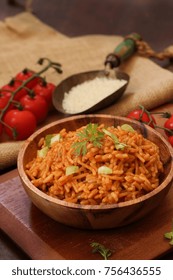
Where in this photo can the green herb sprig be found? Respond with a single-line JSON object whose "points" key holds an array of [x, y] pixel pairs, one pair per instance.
{"points": [[101, 249], [169, 235], [90, 134]]}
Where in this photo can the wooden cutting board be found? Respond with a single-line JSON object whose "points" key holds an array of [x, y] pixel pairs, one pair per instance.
{"points": [[42, 238]]}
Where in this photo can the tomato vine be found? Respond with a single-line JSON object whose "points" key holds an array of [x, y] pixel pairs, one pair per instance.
{"points": [[143, 115]]}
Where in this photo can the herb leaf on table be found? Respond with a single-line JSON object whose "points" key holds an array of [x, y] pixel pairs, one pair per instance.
{"points": [[101, 249], [169, 235]]}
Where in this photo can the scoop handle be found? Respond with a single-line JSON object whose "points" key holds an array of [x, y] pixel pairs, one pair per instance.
{"points": [[123, 51]]}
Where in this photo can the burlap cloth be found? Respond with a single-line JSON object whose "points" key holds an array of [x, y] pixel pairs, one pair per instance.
{"points": [[24, 39]]}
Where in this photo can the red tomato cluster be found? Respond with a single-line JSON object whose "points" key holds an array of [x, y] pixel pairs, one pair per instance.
{"points": [[28, 107], [146, 117], [143, 117]]}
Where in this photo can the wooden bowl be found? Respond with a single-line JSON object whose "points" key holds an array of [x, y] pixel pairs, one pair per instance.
{"points": [[96, 216]]}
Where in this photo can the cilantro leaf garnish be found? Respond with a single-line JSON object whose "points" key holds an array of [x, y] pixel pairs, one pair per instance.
{"points": [[80, 148], [90, 134]]}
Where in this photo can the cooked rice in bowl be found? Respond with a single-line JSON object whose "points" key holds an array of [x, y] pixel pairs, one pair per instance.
{"points": [[108, 165]]}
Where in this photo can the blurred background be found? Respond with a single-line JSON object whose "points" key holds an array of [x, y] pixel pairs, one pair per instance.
{"points": [[152, 19]]}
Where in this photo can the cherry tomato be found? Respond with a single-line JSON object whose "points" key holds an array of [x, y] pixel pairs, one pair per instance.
{"points": [[37, 105], [11, 87], [1, 129], [142, 116], [25, 75], [45, 90], [3, 102], [23, 123], [170, 139], [169, 125]]}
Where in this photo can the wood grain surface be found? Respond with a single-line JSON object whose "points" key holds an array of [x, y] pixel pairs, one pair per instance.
{"points": [[42, 238]]}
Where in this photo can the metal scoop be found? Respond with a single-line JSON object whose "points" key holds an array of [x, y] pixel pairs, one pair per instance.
{"points": [[122, 52]]}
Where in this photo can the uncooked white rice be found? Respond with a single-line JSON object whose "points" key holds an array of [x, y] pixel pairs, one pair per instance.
{"points": [[85, 95]]}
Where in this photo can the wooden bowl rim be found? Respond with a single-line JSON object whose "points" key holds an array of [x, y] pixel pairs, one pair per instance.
{"points": [[57, 201]]}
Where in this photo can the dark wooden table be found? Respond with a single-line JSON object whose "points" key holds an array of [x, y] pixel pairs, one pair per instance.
{"points": [[152, 19]]}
